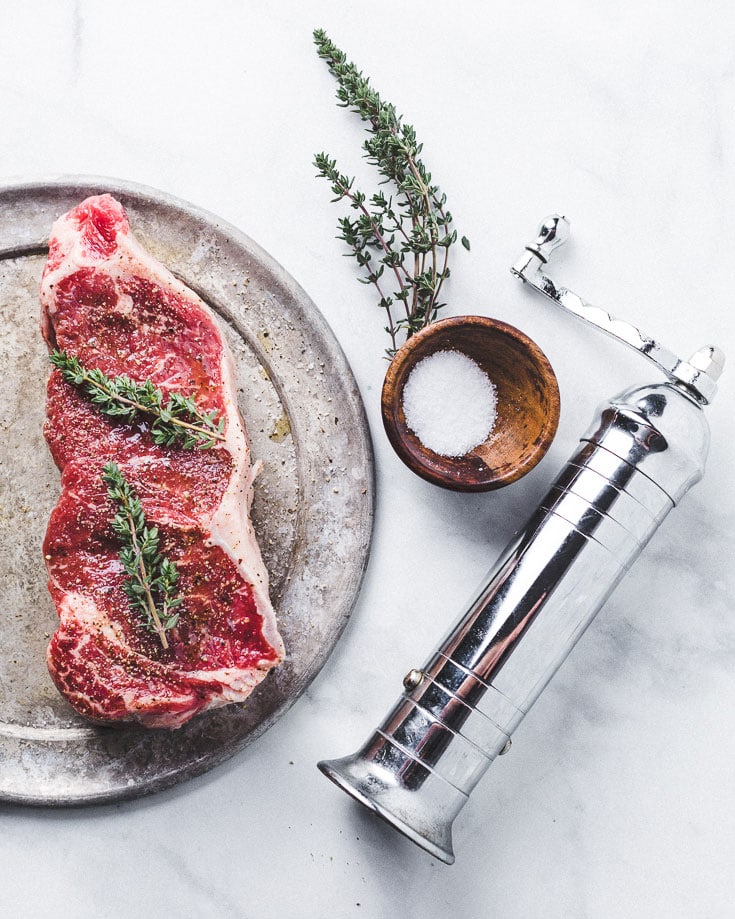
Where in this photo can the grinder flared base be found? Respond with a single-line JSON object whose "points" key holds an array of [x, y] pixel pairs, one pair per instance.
{"points": [[406, 810]]}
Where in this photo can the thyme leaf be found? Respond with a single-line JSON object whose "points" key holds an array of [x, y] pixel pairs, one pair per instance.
{"points": [[152, 579], [406, 238], [177, 421]]}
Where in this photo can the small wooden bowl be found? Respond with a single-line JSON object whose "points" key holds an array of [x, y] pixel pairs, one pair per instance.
{"points": [[527, 403]]}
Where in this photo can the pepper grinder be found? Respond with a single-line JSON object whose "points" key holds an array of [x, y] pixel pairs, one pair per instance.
{"points": [[643, 452]]}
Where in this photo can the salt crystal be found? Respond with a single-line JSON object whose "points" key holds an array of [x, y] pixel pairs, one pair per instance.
{"points": [[449, 403]]}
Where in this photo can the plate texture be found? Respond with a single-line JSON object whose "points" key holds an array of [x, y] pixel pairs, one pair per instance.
{"points": [[312, 510]]}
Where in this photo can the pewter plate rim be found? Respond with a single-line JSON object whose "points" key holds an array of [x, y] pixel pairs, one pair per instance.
{"points": [[299, 307]]}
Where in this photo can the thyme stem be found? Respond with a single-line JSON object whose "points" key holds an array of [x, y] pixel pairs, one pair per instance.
{"points": [[150, 574], [144, 581], [178, 421]]}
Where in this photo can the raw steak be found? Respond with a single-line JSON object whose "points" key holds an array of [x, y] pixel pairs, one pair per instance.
{"points": [[109, 303]]}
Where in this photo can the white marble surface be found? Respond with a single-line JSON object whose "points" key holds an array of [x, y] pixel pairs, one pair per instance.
{"points": [[618, 799]]}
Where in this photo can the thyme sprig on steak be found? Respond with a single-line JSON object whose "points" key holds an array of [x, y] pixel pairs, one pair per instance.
{"points": [[177, 420], [151, 586]]}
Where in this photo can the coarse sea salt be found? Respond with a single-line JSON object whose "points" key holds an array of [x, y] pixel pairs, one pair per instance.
{"points": [[449, 403]]}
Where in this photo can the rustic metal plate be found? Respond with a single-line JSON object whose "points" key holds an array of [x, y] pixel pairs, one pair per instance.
{"points": [[312, 511]]}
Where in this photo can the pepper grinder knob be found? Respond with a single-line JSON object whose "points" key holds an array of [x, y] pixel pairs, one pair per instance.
{"points": [[553, 232]]}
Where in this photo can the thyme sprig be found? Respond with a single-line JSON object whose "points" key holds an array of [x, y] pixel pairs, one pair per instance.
{"points": [[152, 581], [177, 421], [408, 236]]}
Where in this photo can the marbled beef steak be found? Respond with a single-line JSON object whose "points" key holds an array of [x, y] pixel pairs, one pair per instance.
{"points": [[106, 301]]}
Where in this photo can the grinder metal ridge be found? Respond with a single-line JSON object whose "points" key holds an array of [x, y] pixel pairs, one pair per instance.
{"points": [[643, 452]]}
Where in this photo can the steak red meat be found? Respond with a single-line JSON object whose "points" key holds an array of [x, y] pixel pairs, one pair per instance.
{"points": [[106, 301]]}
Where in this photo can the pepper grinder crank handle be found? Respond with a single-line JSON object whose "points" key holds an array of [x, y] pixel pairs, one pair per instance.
{"points": [[643, 452]]}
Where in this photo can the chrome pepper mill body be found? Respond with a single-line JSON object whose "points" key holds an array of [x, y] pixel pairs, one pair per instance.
{"points": [[644, 451]]}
